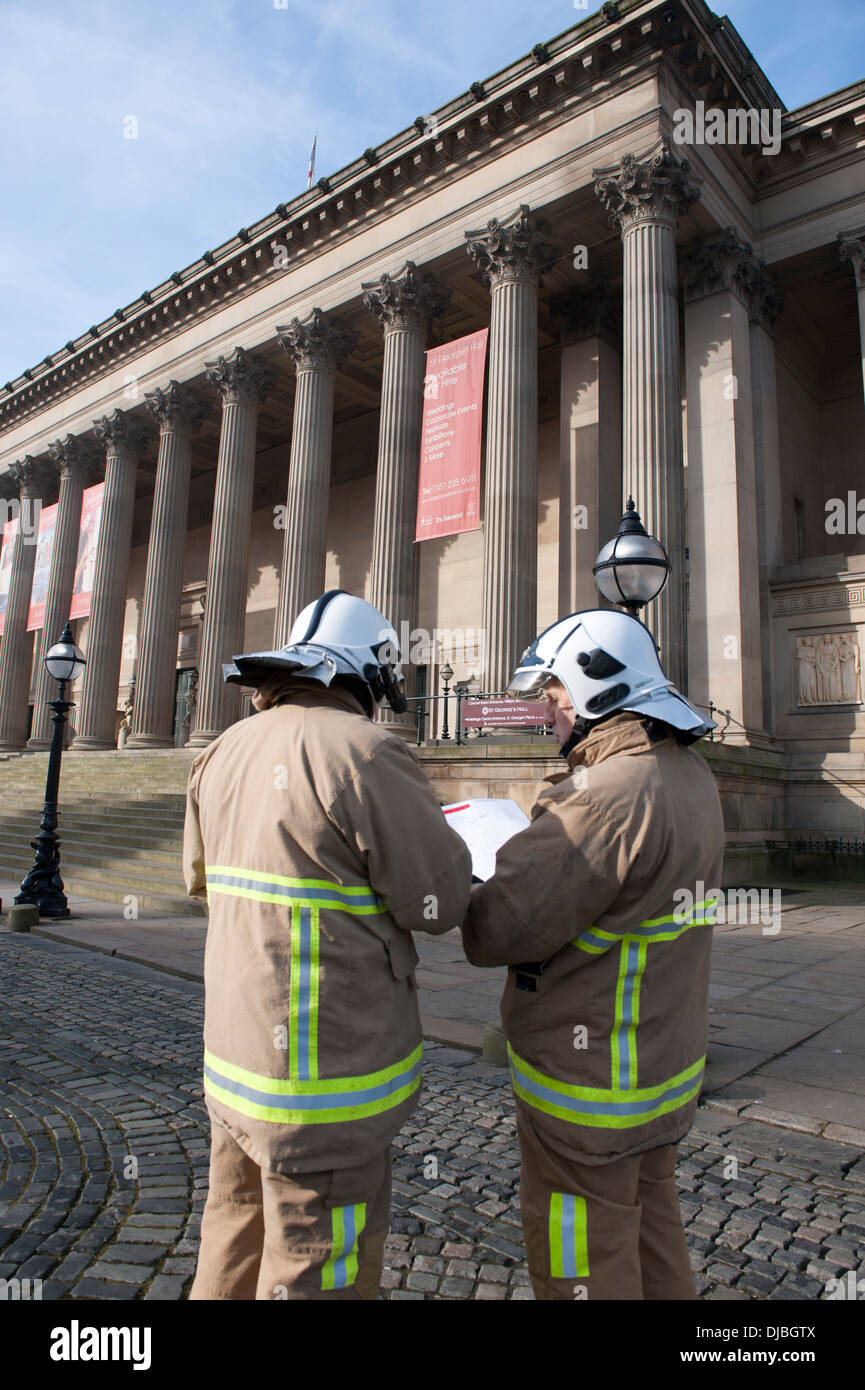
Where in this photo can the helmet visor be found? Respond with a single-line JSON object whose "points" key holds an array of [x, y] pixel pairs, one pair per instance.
{"points": [[528, 681]]}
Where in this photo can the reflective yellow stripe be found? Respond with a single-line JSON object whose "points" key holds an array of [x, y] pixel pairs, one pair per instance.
{"points": [[347, 1224], [296, 1101], [258, 886], [597, 940], [600, 1107]]}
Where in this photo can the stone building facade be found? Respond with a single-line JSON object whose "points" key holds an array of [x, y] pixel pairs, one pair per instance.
{"points": [[675, 316]]}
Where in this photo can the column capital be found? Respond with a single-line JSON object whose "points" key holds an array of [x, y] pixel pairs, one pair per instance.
{"points": [[852, 249], [590, 312], [241, 379], [72, 457], [763, 293], [514, 250], [316, 343], [176, 407], [30, 476], [713, 263], [656, 188], [410, 299], [120, 433]]}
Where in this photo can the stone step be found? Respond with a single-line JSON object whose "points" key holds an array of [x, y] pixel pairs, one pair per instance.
{"points": [[18, 859], [165, 850], [158, 826], [100, 806]]}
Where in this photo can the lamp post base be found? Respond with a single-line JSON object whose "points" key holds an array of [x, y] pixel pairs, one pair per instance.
{"points": [[43, 886]]}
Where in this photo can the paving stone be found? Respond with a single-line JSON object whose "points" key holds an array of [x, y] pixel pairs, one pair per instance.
{"points": [[166, 1287], [459, 1234]]}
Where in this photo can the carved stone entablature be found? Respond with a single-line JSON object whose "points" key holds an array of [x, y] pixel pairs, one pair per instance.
{"points": [[852, 249], [317, 343], [71, 457], [241, 379], [176, 407], [410, 299], [839, 596], [516, 250], [828, 669], [588, 313], [658, 188], [122, 436]]}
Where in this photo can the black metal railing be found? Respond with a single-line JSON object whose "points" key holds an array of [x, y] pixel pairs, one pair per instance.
{"points": [[803, 846]]}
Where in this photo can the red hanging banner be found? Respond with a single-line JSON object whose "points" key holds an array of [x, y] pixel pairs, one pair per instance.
{"points": [[449, 485], [42, 569], [88, 540], [7, 546]]}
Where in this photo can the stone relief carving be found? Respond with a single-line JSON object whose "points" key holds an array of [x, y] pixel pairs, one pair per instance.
{"points": [[828, 669]]}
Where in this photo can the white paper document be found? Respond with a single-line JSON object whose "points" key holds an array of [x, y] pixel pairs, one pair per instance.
{"points": [[485, 824]]}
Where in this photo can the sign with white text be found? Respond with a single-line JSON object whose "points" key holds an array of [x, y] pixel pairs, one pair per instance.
{"points": [[449, 484]]}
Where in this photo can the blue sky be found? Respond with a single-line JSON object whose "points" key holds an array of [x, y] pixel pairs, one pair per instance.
{"points": [[227, 94]]}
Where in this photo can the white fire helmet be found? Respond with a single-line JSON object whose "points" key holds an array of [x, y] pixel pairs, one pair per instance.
{"points": [[607, 661], [336, 635]]}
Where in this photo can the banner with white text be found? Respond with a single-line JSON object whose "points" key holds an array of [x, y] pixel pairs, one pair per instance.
{"points": [[42, 569], [449, 484], [88, 540], [10, 531]]}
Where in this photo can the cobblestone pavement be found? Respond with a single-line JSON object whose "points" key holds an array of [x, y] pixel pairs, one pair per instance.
{"points": [[100, 1062]]}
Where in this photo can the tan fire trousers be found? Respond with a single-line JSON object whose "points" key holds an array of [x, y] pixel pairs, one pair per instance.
{"points": [[603, 1230], [268, 1236]]}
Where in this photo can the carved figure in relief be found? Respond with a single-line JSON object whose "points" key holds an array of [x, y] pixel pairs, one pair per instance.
{"points": [[828, 671], [806, 665], [849, 657]]}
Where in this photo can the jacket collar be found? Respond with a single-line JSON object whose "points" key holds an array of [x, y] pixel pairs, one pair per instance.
{"points": [[310, 693], [623, 733]]}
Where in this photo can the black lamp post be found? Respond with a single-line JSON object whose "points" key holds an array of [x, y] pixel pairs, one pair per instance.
{"points": [[633, 567], [446, 674], [43, 886]]}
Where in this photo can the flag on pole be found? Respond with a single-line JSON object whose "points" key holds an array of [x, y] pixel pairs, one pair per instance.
{"points": [[311, 174]]}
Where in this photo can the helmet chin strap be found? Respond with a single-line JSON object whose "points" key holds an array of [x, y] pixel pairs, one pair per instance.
{"points": [[579, 731]]}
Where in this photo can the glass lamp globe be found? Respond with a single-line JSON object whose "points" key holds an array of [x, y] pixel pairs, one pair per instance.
{"points": [[64, 661], [632, 568]]}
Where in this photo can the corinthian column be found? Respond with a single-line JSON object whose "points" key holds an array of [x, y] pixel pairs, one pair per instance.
{"points": [[73, 461], [179, 412], [644, 200], [316, 345], [590, 437], [16, 647], [852, 249], [122, 437], [405, 305], [724, 637], [243, 382], [511, 257]]}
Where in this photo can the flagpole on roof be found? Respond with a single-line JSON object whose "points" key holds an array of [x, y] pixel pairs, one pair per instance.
{"points": [[311, 174]]}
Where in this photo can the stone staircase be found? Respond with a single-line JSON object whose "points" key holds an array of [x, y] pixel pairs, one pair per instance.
{"points": [[120, 824]]}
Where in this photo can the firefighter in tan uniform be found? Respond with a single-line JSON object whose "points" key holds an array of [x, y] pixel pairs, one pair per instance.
{"points": [[320, 848], [598, 908]]}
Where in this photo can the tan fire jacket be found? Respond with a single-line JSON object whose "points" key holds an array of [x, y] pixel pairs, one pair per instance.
{"points": [[322, 848], [605, 894]]}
